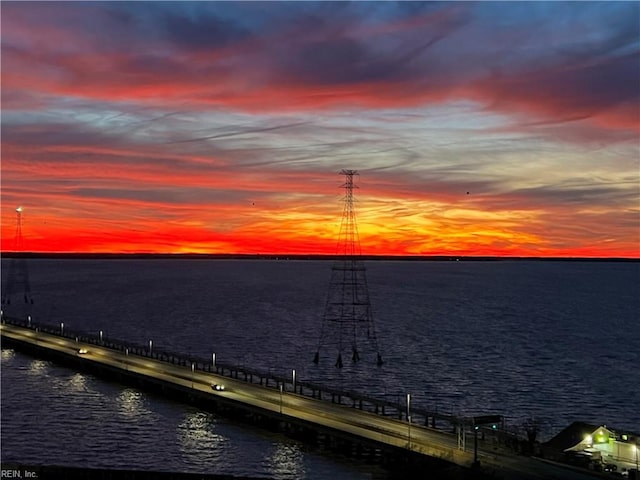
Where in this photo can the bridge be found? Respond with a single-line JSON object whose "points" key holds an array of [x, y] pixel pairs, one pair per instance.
{"points": [[304, 408]]}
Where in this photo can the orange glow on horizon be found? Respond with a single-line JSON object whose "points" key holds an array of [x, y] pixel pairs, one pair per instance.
{"points": [[295, 233]]}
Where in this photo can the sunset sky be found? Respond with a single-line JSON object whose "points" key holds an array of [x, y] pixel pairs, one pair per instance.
{"points": [[478, 128]]}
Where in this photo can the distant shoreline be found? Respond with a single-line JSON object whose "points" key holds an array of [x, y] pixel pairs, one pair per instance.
{"points": [[256, 256]]}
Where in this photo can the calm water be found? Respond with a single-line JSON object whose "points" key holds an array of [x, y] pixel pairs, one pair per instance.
{"points": [[558, 341]]}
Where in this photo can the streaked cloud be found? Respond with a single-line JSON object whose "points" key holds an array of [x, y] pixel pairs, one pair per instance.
{"points": [[478, 128]]}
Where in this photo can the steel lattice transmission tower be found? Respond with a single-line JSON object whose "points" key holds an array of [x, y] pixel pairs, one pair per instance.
{"points": [[347, 322], [18, 277]]}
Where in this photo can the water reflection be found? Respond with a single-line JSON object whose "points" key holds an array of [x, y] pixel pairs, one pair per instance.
{"points": [[38, 367], [131, 403], [287, 462], [78, 383], [199, 442], [8, 354]]}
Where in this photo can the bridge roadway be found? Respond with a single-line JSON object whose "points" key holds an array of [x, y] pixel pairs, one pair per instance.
{"points": [[298, 408]]}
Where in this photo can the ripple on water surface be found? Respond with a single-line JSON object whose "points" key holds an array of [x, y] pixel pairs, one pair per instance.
{"points": [[553, 340], [56, 416]]}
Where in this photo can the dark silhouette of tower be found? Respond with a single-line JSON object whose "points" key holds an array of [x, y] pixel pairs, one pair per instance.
{"points": [[347, 323], [17, 284]]}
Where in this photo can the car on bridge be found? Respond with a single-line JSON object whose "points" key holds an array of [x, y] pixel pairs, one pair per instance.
{"points": [[218, 387], [82, 351]]}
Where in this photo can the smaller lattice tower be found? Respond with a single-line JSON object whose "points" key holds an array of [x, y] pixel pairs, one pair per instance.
{"points": [[347, 323], [17, 283]]}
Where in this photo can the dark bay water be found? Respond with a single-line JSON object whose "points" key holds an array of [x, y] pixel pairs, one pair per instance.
{"points": [[558, 341]]}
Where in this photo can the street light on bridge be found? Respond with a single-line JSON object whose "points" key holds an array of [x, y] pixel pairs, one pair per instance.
{"points": [[409, 418], [150, 346], [61, 328], [294, 380], [475, 445]]}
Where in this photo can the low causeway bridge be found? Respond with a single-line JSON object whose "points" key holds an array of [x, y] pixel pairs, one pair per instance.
{"points": [[305, 408]]}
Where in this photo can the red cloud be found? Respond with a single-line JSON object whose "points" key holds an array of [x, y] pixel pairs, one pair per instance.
{"points": [[103, 192]]}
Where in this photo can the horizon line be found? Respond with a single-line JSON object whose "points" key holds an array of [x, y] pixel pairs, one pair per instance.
{"points": [[294, 256]]}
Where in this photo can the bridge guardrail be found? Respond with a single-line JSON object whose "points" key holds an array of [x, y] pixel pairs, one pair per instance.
{"points": [[302, 387]]}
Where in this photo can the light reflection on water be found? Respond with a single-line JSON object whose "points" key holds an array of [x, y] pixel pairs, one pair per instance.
{"points": [[78, 382], [199, 443], [287, 462], [130, 403], [38, 367], [8, 354]]}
